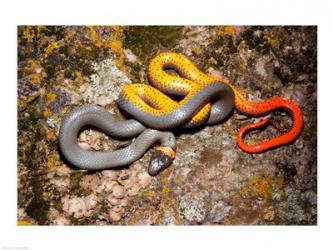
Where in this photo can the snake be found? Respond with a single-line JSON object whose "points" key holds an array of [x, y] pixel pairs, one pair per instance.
{"points": [[189, 99], [151, 124]]}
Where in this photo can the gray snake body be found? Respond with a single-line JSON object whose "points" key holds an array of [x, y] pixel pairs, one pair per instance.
{"points": [[124, 129]]}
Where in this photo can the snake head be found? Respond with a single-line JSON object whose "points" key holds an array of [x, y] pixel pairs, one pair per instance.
{"points": [[161, 159]]}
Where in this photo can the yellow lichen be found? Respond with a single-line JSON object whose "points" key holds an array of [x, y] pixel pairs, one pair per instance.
{"points": [[51, 47], [40, 28], [35, 72], [117, 46], [29, 34], [117, 28], [94, 36], [244, 64], [78, 75], [272, 41], [114, 42], [69, 36], [22, 104], [261, 187], [257, 187], [196, 50], [168, 200], [251, 141], [221, 31]]}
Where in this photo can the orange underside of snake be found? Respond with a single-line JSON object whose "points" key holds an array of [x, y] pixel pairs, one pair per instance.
{"points": [[188, 71]]}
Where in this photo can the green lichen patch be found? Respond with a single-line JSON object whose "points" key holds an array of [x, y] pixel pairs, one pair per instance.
{"points": [[38, 206], [75, 188], [144, 41]]}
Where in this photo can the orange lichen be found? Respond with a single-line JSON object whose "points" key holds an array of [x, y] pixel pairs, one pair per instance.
{"points": [[49, 135], [25, 223], [47, 112], [51, 161], [51, 97]]}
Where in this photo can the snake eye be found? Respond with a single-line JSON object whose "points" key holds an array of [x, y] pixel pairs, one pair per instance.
{"points": [[160, 160]]}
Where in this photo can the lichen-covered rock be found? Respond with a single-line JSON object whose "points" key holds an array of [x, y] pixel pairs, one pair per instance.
{"points": [[192, 207], [106, 84], [211, 180]]}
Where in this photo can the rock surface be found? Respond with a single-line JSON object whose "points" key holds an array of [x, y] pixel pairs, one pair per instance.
{"points": [[211, 180]]}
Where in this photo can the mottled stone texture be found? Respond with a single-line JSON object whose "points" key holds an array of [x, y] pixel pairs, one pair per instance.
{"points": [[211, 181]]}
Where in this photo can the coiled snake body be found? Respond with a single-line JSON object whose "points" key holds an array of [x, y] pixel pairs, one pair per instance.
{"points": [[205, 100]]}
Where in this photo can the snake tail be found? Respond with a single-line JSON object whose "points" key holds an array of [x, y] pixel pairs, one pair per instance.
{"points": [[286, 138]]}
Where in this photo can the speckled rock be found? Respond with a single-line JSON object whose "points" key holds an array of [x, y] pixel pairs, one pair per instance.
{"points": [[74, 206], [115, 216], [118, 191], [192, 207], [218, 212]]}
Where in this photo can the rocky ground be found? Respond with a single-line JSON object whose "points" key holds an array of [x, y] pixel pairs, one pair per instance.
{"points": [[211, 181]]}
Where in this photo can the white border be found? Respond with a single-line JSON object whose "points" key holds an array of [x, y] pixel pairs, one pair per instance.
{"points": [[212, 12]]}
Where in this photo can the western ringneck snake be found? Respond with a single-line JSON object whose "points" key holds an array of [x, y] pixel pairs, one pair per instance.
{"points": [[189, 99]]}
